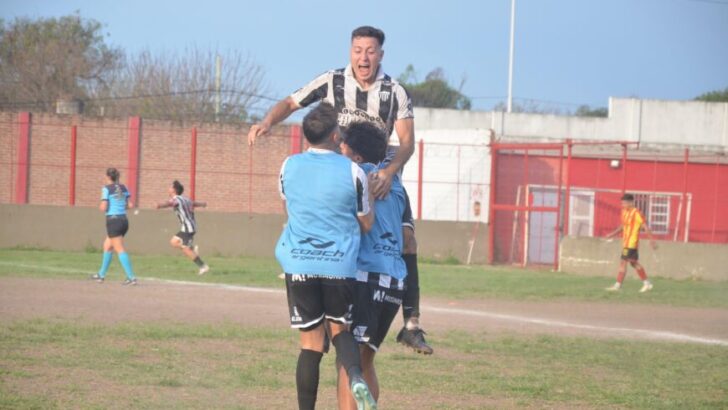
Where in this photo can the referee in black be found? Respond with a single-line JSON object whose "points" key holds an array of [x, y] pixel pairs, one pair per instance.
{"points": [[363, 92]]}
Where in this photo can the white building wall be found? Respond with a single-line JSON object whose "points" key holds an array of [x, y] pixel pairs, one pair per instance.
{"points": [[653, 123]]}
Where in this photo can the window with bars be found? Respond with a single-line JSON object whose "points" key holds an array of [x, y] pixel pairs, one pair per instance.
{"points": [[656, 209]]}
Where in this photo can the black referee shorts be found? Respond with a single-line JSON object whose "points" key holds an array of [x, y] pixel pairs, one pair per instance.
{"points": [[116, 225]]}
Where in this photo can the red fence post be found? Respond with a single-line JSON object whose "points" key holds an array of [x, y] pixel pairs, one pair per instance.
{"points": [[567, 195], [250, 180], [296, 146], [134, 128], [624, 168], [715, 202], [491, 200], [72, 176], [421, 156], [193, 162], [23, 165], [683, 208], [557, 229]]}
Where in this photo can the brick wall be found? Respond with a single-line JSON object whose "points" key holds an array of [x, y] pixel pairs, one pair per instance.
{"points": [[231, 176]]}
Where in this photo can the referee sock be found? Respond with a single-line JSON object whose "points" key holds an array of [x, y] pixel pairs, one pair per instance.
{"points": [[126, 263], [411, 300], [307, 378], [199, 262], [105, 262], [347, 353]]}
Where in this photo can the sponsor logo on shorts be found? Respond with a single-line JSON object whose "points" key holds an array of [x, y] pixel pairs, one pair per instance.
{"points": [[360, 332], [296, 317], [382, 296]]}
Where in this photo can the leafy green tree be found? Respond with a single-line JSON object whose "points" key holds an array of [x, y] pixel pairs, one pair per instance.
{"points": [[435, 91], [714, 96], [587, 111], [48, 59]]}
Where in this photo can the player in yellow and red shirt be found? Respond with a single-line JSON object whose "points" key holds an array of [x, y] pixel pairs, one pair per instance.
{"points": [[632, 222]]}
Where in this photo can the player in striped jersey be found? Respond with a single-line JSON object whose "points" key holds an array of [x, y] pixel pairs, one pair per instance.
{"points": [[362, 92], [185, 209], [632, 222]]}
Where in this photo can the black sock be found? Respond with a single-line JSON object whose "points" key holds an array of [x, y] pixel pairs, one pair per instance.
{"points": [[411, 299], [347, 353], [199, 262], [307, 378]]}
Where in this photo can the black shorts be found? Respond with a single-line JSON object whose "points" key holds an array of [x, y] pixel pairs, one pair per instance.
{"points": [[407, 219], [377, 302], [630, 254], [311, 299], [116, 225], [186, 237]]}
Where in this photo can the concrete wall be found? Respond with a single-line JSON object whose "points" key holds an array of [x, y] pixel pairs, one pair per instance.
{"points": [[228, 234], [676, 260], [654, 123]]}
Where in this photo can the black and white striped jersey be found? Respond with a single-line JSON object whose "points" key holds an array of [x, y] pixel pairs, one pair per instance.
{"points": [[385, 102], [185, 210]]}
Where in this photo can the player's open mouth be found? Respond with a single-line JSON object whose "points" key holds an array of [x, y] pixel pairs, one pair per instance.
{"points": [[364, 69]]}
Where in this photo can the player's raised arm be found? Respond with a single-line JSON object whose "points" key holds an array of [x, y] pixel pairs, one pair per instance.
{"points": [[406, 132], [282, 110]]}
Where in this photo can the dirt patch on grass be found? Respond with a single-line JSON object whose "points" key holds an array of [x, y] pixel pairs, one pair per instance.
{"points": [[27, 298]]}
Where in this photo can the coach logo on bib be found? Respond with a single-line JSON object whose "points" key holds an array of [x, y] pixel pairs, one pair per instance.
{"points": [[316, 243]]}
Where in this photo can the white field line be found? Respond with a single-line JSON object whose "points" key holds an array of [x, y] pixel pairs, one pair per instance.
{"points": [[625, 331]]}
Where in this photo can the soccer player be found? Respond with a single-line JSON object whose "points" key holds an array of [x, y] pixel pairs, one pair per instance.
{"points": [[380, 280], [114, 203], [185, 209], [632, 222], [328, 204], [362, 92]]}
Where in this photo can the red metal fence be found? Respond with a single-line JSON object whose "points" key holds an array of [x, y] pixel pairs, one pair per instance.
{"points": [[60, 160], [541, 192]]}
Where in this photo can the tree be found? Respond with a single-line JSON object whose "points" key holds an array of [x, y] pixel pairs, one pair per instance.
{"points": [[434, 92], [182, 86], [586, 111], [48, 59], [530, 107], [714, 96]]}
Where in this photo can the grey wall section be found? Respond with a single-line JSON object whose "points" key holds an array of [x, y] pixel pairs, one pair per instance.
{"points": [[226, 234], [676, 260], [652, 123]]}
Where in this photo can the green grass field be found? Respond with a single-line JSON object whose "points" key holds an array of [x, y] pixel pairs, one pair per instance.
{"points": [[49, 364], [444, 281], [64, 363]]}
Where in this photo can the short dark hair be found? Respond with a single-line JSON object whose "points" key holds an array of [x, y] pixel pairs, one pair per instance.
{"points": [[368, 31], [113, 174], [367, 140], [178, 187], [319, 123], [627, 197]]}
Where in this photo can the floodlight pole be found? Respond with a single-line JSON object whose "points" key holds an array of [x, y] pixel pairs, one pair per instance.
{"points": [[509, 105]]}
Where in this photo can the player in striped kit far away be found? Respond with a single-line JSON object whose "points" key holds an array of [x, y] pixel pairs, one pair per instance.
{"points": [[184, 207]]}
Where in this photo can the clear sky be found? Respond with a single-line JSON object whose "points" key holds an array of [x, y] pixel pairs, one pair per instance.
{"points": [[567, 51]]}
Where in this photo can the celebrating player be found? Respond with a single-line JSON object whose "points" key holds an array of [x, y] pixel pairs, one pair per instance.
{"points": [[380, 280], [362, 92], [328, 205], [185, 209], [115, 202], [632, 222]]}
